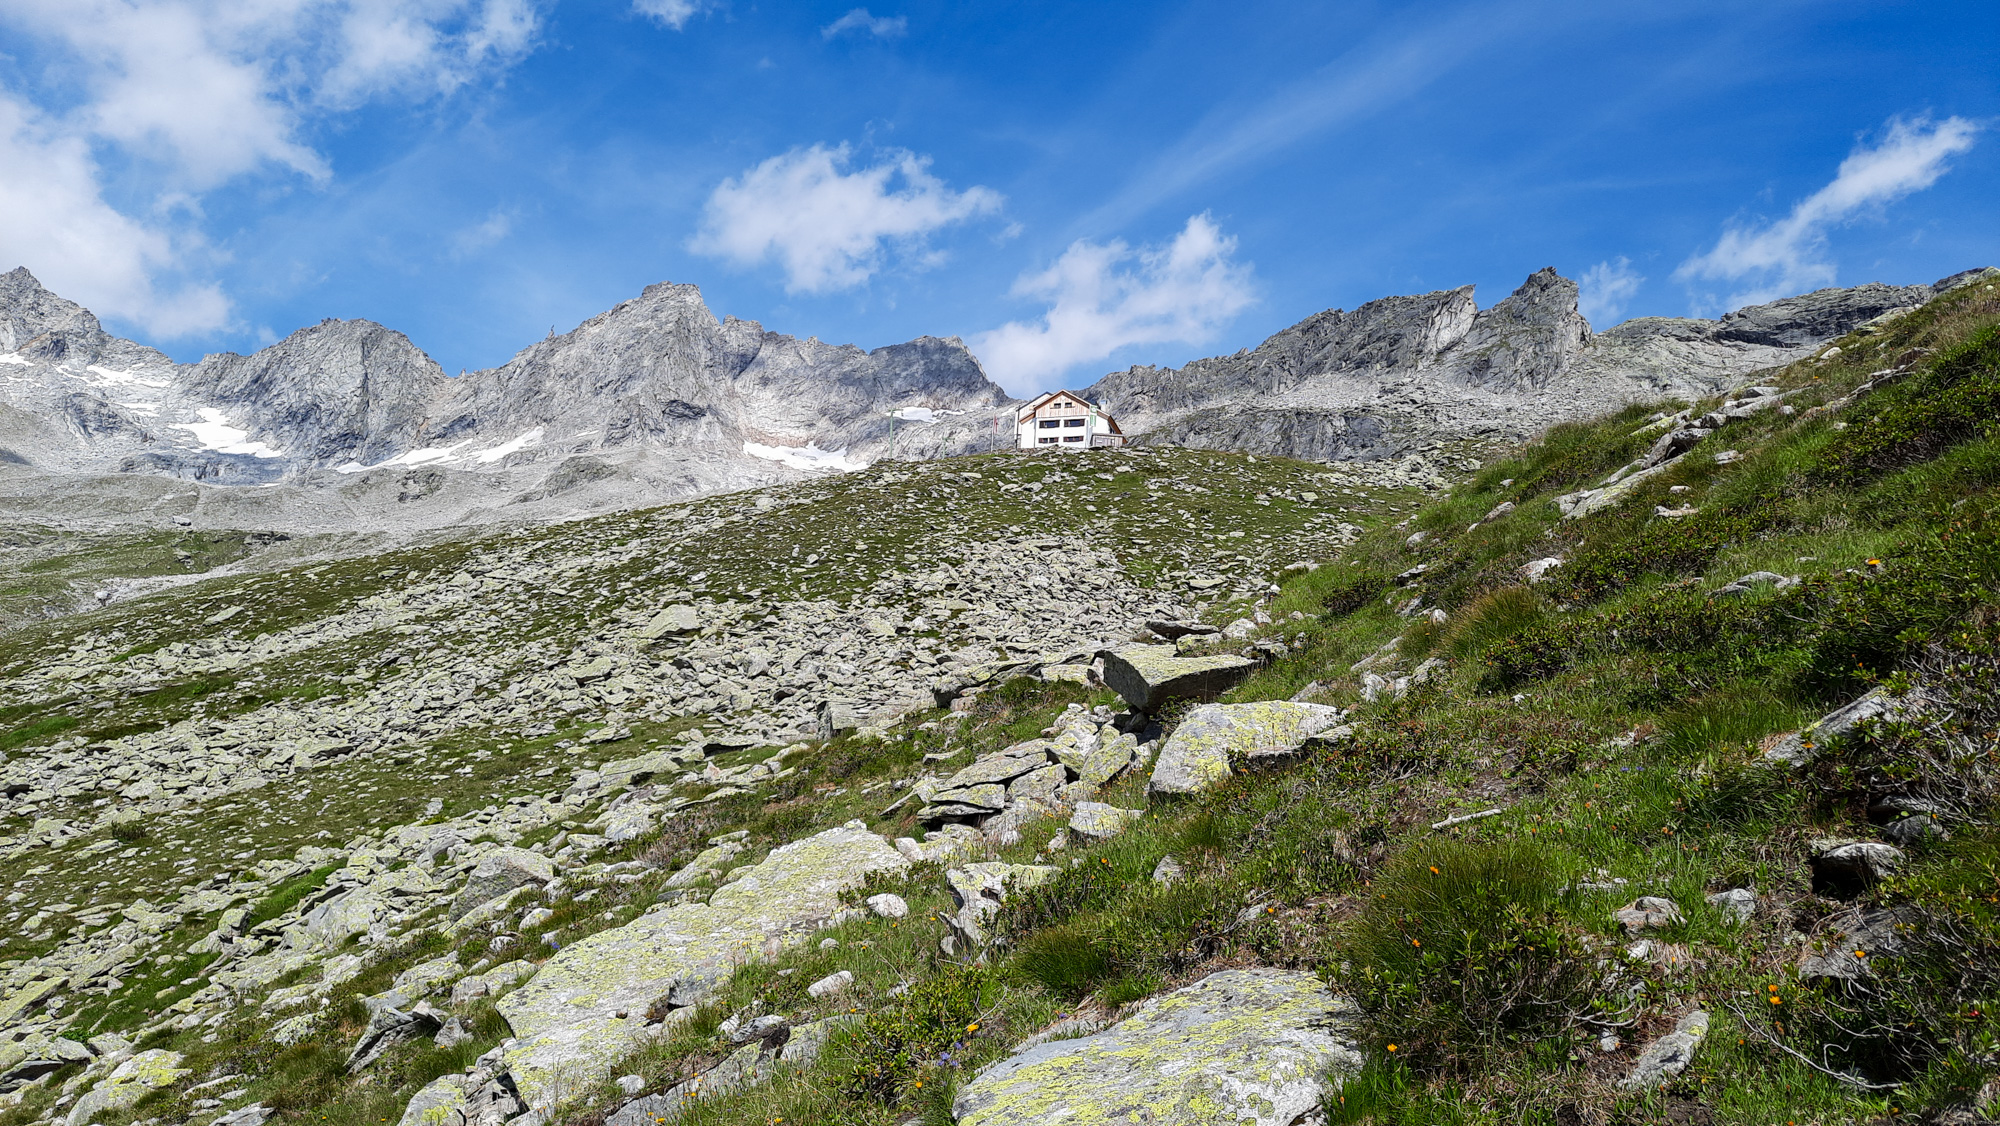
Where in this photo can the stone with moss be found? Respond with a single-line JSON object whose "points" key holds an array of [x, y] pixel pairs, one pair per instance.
{"points": [[598, 1000], [1256, 1046], [129, 1082], [500, 872], [441, 1103], [1212, 738]]}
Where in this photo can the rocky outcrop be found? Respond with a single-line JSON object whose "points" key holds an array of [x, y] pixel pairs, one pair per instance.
{"points": [[1240, 1046]]}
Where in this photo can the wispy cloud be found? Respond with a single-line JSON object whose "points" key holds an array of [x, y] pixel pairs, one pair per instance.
{"points": [[1364, 80], [669, 13], [1791, 255], [1107, 296], [858, 20], [1605, 289], [828, 227], [487, 232], [193, 94]]}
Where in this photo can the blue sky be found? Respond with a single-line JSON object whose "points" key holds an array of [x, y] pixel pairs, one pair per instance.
{"points": [[1072, 188]]}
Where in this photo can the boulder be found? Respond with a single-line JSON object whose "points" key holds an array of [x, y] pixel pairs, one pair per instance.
{"points": [[1201, 751], [1256, 1046], [1843, 868], [1799, 747], [672, 620], [593, 1003], [836, 718], [1096, 821], [1150, 677], [1669, 1055], [888, 906], [500, 872], [831, 985], [1108, 759], [979, 890], [440, 1103], [388, 1027], [127, 1084]]}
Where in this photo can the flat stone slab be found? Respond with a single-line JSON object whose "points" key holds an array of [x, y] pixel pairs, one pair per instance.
{"points": [[1199, 752], [1240, 1047], [1153, 676], [588, 1007]]}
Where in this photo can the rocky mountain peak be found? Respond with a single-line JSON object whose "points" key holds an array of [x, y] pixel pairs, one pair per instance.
{"points": [[1526, 339], [330, 393], [42, 326]]}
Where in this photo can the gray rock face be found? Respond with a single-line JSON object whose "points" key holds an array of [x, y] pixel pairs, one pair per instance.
{"points": [[1199, 754], [1398, 372], [1150, 677], [1844, 868], [500, 873], [334, 393]]}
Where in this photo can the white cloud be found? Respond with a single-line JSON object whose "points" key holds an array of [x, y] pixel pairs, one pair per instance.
{"points": [[57, 223], [1790, 255], [669, 13], [832, 229], [858, 19], [1103, 297], [488, 231], [193, 94], [1604, 290]]}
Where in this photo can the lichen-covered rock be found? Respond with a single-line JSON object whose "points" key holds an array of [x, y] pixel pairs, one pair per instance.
{"points": [[500, 872], [979, 890], [1199, 753], [1097, 821], [440, 1103], [1151, 676], [1239, 1047], [592, 1003], [128, 1083], [1800, 747]]}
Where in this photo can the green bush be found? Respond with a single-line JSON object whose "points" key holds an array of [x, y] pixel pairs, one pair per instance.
{"points": [[1671, 549], [1463, 947], [925, 1029]]}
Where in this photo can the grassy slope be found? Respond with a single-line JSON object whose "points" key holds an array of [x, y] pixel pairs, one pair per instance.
{"points": [[1615, 714]]}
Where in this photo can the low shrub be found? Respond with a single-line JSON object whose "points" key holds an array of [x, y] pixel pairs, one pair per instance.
{"points": [[925, 1029], [1463, 947]]}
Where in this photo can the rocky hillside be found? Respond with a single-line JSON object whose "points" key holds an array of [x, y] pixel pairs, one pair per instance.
{"points": [[1644, 774]]}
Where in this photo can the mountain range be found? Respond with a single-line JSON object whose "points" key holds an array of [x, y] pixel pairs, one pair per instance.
{"points": [[348, 424]]}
